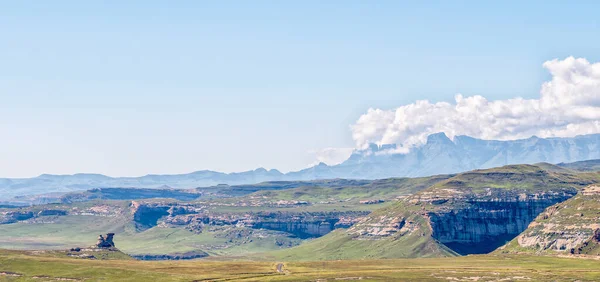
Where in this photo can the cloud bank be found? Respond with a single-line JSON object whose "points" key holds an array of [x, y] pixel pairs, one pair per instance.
{"points": [[569, 105]]}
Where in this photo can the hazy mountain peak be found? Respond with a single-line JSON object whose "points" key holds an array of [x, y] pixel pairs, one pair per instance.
{"points": [[439, 155], [275, 171], [439, 137]]}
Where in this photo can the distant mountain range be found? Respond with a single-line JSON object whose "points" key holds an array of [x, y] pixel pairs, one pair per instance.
{"points": [[439, 155]]}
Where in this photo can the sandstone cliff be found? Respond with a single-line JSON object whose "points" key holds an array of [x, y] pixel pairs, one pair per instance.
{"points": [[569, 228]]}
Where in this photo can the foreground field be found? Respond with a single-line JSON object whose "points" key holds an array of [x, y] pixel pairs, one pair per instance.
{"points": [[36, 266]]}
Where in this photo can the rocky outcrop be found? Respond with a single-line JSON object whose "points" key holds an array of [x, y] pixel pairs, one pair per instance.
{"points": [[305, 225], [195, 218], [299, 224], [371, 202], [303, 229], [105, 242], [24, 214], [382, 226]]}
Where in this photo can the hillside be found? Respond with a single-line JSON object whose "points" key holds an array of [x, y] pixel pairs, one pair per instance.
{"points": [[381, 189], [400, 231], [588, 165], [470, 213], [568, 228]]}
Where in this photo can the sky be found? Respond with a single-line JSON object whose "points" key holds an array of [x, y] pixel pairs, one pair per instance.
{"points": [[128, 88]]}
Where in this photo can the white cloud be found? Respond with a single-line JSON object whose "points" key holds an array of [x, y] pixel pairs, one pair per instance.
{"points": [[332, 156], [569, 105]]}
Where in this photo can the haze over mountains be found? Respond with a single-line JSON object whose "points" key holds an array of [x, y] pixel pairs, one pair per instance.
{"points": [[439, 155]]}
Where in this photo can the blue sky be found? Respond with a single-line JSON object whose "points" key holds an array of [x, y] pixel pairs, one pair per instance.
{"points": [[137, 87]]}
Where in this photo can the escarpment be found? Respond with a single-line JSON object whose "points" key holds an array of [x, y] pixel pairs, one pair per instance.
{"points": [[15, 216], [301, 224], [306, 225], [29, 215], [470, 213], [480, 226], [464, 222], [569, 228]]}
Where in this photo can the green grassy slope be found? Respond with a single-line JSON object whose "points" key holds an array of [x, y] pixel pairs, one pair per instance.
{"points": [[385, 189], [589, 165], [525, 177]]}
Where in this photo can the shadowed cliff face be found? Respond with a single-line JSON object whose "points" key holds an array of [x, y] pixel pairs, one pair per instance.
{"points": [[485, 226], [568, 228], [147, 216], [300, 229], [307, 225]]}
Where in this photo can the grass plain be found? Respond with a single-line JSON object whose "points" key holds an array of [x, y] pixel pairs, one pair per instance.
{"points": [[39, 266]]}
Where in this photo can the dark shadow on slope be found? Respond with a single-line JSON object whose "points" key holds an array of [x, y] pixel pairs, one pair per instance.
{"points": [[484, 247]]}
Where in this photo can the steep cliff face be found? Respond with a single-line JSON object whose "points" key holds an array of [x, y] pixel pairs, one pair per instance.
{"points": [[12, 217], [306, 225], [481, 227], [147, 215], [8, 217], [571, 227], [302, 230]]}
